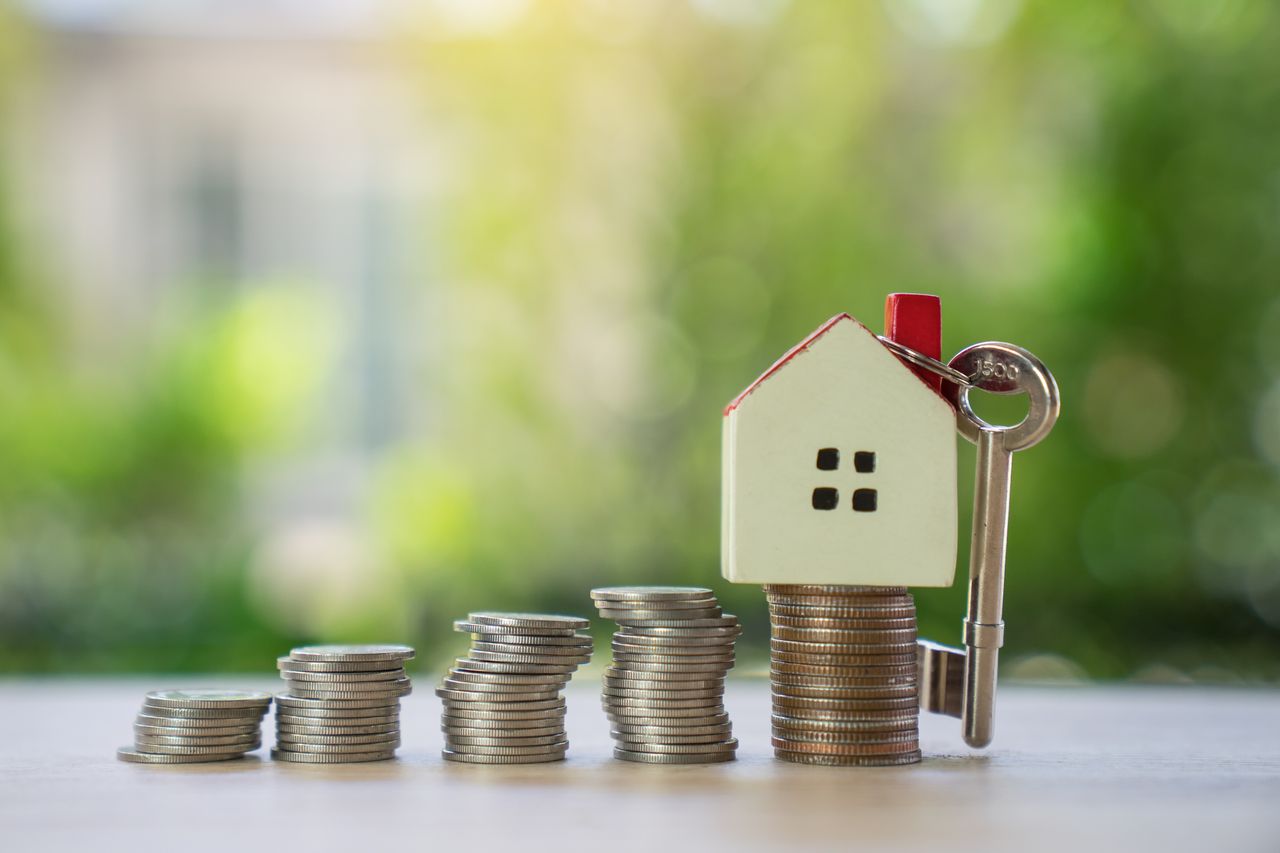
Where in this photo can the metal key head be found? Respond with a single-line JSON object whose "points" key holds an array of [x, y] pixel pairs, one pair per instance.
{"points": [[1004, 369]]}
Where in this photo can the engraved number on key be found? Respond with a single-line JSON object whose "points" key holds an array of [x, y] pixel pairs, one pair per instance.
{"points": [[1001, 369]]}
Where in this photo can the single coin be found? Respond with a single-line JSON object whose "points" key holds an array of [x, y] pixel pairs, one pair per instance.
{"points": [[783, 723], [613, 678], [577, 650], [849, 760], [850, 613], [573, 640], [455, 721], [292, 702], [327, 695], [529, 620], [674, 758], [638, 742], [516, 668], [563, 664], [369, 688], [724, 728], [782, 668], [728, 620], [331, 757], [374, 676], [209, 699], [224, 749], [466, 749], [201, 713], [684, 632], [649, 593], [463, 741], [337, 748], [469, 695], [469, 627], [287, 662], [728, 745], [340, 731], [311, 717], [133, 756], [170, 731], [515, 690], [514, 735], [160, 721], [665, 605], [471, 703], [507, 678], [144, 741], [313, 743], [628, 616], [487, 758], [352, 653]]}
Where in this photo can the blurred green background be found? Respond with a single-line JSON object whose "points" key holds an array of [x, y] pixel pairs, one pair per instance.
{"points": [[334, 320]]}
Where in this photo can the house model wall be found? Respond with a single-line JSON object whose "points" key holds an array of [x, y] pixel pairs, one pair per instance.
{"points": [[840, 468]]}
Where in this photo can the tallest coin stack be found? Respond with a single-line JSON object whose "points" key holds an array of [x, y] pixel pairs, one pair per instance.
{"points": [[844, 677]]}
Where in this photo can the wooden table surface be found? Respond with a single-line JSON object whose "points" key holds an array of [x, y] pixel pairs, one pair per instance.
{"points": [[1091, 768]]}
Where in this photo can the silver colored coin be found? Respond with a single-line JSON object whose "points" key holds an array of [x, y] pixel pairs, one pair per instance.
{"points": [[684, 633], [639, 742], [728, 745], [472, 665], [513, 690], [287, 662], [649, 593], [468, 627], [647, 693], [665, 674], [294, 703], [783, 669], [160, 721], [469, 758], [533, 660], [133, 756], [574, 640], [668, 758], [463, 749], [852, 694], [297, 691], [663, 716], [336, 748], [476, 696], [831, 589], [659, 659], [578, 650], [336, 731], [351, 653], [901, 623], [529, 620], [712, 701], [842, 637], [144, 741], [331, 757], [454, 741], [515, 735], [903, 704], [209, 699], [313, 743], [728, 620], [508, 678], [373, 676], [636, 681], [468, 703], [367, 688], [454, 721], [674, 606], [782, 644], [171, 731], [202, 713], [782, 723], [846, 714], [674, 645], [721, 729], [624, 617], [851, 612], [785, 737], [357, 717], [226, 749]]}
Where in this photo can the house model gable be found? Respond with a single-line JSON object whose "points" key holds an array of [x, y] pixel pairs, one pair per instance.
{"points": [[839, 468]]}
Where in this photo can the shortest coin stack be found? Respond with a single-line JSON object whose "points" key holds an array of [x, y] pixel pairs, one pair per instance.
{"points": [[502, 703], [664, 693], [194, 726], [343, 704]]}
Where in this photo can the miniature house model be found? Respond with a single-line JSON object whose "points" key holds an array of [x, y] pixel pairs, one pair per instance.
{"points": [[840, 462]]}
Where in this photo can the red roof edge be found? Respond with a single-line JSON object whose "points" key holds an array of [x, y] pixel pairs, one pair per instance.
{"points": [[790, 354]]}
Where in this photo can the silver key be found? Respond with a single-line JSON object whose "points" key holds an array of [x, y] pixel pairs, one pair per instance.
{"points": [[1001, 369]]}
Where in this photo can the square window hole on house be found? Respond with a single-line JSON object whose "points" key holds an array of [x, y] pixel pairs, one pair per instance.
{"points": [[864, 461], [828, 459], [864, 500], [825, 498]]}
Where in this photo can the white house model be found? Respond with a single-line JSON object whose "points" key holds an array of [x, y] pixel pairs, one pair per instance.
{"points": [[840, 466]]}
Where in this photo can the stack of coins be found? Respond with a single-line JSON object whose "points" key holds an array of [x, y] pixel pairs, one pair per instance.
{"points": [[343, 704], [664, 693], [843, 669], [193, 726], [502, 702]]}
